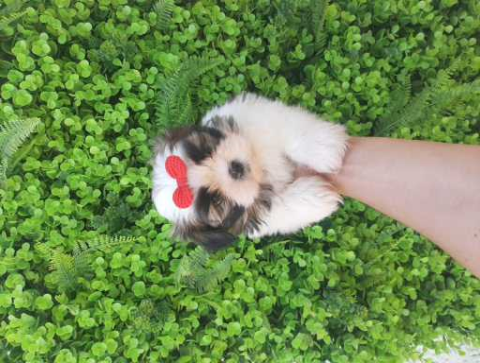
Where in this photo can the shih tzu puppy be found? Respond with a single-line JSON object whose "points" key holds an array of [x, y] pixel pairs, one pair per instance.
{"points": [[237, 172]]}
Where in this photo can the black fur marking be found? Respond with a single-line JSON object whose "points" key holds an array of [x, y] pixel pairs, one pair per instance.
{"points": [[225, 123], [216, 236], [232, 124], [216, 134], [206, 200], [262, 204], [177, 134], [199, 141], [197, 153], [233, 216], [212, 239], [202, 204], [202, 142]]}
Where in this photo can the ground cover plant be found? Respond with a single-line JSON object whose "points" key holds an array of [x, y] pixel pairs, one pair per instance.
{"points": [[88, 272]]}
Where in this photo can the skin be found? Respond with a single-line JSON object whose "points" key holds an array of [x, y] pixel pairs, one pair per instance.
{"points": [[431, 187]]}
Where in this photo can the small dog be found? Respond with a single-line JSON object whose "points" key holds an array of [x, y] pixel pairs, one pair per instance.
{"points": [[237, 172]]}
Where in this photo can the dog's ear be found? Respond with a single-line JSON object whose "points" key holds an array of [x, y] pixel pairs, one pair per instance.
{"points": [[174, 135], [214, 240]]}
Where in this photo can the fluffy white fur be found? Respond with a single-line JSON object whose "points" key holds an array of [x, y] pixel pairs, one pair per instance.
{"points": [[284, 138]]}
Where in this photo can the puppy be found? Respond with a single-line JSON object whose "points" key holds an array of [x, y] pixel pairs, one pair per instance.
{"points": [[237, 172]]}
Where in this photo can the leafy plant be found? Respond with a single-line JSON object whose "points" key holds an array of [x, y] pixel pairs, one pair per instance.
{"points": [[6, 20], [198, 272], [12, 135], [443, 94], [310, 15], [174, 105], [114, 218], [11, 13], [150, 316], [67, 268], [164, 11], [317, 11], [106, 54]]}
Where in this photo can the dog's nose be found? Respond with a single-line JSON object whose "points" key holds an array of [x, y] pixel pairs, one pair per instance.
{"points": [[236, 169]]}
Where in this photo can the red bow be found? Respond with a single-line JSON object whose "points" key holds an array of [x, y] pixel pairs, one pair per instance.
{"points": [[177, 169]]}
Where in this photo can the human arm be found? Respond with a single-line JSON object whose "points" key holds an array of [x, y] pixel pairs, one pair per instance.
{"points": [[431, 187]]}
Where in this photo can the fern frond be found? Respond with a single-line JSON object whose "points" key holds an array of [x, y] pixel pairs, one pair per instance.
{"points": [[443, 80], [191, 266], [14, 133], [10, 18], [199, 258], [409, 114], [195, 271], [64, 272], [454, 94], [101, 242], [60, 261], [12, 7], [399, 98], [174, 105], [191, 70], [84, 249], [67, 268], [211, 278], [184, 115], [401, 95], [442, 95], [3, 173], [164, 10], [43, 250], [62, 265], [318, 10], [286, 11]]}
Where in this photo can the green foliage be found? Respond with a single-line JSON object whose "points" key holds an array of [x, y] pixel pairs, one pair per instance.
{"points": [[12, 135], [104, 77], [6, 20], [11, 13], [443, 95], [317, 21], [174, 106], [149, 317], [68, 268], [114, 218], [164, 11], [198, 272]]}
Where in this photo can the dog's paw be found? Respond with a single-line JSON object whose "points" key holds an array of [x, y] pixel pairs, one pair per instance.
{"points": [[312, 198], [305, 201], [331, 151], [321, 146]]}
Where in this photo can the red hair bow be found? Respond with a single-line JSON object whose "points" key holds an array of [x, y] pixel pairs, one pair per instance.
{"points": [[177, 169]]}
